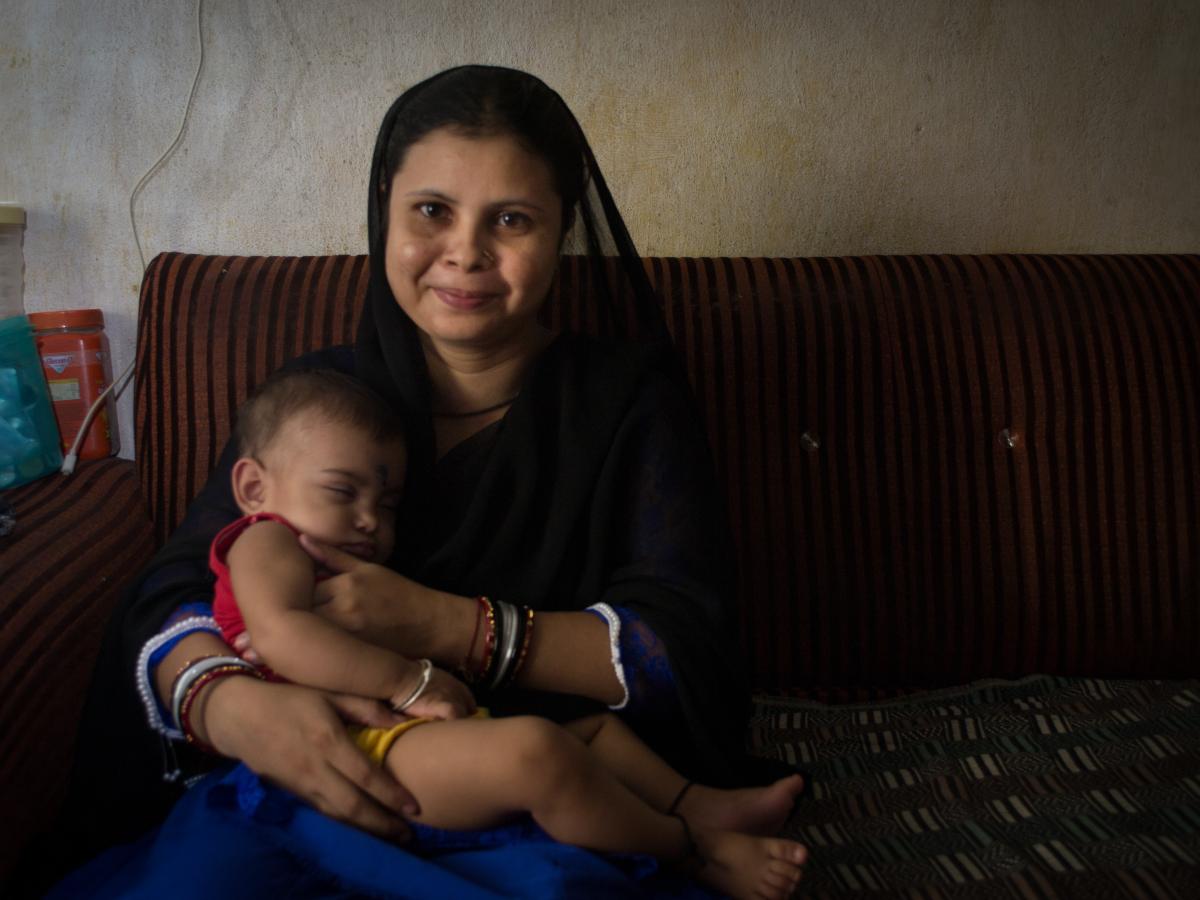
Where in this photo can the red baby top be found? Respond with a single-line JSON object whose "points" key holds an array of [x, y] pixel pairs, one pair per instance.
{"points": [[225, 608]]}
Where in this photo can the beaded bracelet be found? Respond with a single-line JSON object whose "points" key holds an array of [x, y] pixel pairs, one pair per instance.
{"points": [[151, 654], [489, 640], [496, 661], [193, 691]]}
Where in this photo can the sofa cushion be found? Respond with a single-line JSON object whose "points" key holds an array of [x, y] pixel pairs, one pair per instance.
{"points": [[76, 543]]}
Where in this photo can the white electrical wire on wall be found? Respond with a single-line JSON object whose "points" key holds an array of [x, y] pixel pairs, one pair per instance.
{"points": [[121, 381]]}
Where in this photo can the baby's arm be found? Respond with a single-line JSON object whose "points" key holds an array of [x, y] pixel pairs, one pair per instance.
{"points": [[273, 580]]}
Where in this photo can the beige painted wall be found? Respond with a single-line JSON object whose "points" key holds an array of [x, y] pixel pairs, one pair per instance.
{"points": [[725, 128]]}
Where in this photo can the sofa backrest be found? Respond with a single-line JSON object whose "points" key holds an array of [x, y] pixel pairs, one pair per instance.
{"points": [[937, 468]]}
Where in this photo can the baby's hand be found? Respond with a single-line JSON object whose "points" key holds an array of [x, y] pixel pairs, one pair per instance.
{"points": [[445, 697]]}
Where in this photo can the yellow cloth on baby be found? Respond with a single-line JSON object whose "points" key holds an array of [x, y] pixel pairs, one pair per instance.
{"points": [[376, 742]]}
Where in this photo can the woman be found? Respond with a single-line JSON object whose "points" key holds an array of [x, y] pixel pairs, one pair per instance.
{"points": [[565, 473]]}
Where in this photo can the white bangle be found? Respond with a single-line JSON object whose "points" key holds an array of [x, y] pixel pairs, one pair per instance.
{"points": [[426, 674], [610, 616], [186, 678], [145, 687]]}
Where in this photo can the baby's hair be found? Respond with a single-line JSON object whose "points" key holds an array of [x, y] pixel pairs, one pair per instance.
{"points": [[339, 398]]}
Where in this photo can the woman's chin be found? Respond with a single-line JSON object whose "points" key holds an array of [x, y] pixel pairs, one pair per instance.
{"points": [[480, 333]]}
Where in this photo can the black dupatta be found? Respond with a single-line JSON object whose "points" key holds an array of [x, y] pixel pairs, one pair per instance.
{"points": [[599, 486]]}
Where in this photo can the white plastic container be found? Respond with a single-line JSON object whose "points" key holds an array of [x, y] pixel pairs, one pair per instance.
{"points": [[12, 261]]}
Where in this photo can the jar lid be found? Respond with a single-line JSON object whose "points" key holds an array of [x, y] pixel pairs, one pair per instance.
{"points": [[11, 215], [67, 318]]}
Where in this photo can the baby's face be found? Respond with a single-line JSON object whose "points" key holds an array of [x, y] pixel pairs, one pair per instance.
{"points": [[336, 484]]}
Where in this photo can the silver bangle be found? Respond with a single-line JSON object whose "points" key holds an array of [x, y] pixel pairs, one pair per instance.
{"points": [[426, 674], [508, 613], [189, 675]]}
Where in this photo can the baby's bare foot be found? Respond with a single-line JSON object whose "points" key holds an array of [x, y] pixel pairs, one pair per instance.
{"points": [[761, 810], [744, 866]]}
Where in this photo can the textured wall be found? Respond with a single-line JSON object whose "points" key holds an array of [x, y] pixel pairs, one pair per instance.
{"points": [[725, 128]]}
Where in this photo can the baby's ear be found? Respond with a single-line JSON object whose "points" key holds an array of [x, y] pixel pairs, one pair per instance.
{"points": [[249, 485]]}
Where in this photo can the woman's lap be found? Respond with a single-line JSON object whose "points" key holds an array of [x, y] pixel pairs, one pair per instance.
{"points": [[233, 836]]}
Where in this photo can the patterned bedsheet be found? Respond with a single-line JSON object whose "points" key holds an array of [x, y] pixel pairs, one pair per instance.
{"points": [[1038, 788]]}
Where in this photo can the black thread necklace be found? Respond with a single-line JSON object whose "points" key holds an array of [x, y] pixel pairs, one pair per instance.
{"points": [[475, 412]]}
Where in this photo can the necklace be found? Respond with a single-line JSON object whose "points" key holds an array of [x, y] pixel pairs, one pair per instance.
{"points": [[475, 412]]}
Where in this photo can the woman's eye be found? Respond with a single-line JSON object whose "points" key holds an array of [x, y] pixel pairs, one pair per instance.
{"points": [[431, 210], [341, 494], [513, 220]]}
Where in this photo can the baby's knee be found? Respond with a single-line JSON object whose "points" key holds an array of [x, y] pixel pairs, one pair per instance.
{"points": [[541, 750]]}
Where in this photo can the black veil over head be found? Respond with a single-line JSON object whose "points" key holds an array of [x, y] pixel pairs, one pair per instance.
{"points": [[489, 100], [597, 486]]}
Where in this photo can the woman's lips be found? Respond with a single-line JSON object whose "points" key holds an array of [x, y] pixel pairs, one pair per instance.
{"points": [[463, 300]]}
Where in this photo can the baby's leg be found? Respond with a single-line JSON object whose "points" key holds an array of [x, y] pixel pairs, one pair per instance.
{"points": [[755, 810], [476, 773]]}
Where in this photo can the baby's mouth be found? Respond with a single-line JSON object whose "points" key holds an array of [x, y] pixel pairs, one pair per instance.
{"points": [[362, 549]]}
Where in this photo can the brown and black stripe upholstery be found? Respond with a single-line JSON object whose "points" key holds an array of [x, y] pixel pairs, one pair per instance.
{"points": [[938, 468], [76, 542]]}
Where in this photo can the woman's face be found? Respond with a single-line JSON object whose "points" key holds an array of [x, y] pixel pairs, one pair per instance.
{"points": [[472, 241]]}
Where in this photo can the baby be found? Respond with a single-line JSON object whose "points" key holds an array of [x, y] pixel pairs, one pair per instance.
{"points": [[321, 455]]}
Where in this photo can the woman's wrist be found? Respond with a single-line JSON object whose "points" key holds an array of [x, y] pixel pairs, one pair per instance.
{"points": [[207, 728], [450, 623]]}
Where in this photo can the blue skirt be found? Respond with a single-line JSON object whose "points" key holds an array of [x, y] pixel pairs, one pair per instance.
{"points": [[233, 836]]}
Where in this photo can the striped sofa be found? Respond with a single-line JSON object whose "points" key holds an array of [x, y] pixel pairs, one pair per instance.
{"points": [[965, 494]]}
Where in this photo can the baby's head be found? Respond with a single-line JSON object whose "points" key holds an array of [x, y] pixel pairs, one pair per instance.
{"points": [[323, 451]]}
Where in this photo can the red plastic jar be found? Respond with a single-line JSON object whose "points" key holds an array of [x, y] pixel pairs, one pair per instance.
{"points": [[77, 366]]}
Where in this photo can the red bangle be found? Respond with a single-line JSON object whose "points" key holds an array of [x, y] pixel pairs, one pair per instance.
{"points": [[464, 667], [189, 699], [489, 639]]}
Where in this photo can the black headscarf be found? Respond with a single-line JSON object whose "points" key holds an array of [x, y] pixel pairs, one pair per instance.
{"points": [[388, 351]]}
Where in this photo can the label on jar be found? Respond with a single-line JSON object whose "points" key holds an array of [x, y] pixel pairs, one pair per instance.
{"points": [[64, 389], [58, 361]]}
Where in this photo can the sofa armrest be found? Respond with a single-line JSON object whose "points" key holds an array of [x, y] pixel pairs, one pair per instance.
{"points": [[76, 544]]}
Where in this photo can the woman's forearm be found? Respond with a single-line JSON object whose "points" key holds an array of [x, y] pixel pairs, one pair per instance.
{"points": [[570, 653]]}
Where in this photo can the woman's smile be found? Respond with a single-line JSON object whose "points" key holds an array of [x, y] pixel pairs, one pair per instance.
{"points": [[466, 301]]}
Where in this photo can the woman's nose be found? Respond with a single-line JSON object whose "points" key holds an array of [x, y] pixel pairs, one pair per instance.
{"points": [[467, 248]]}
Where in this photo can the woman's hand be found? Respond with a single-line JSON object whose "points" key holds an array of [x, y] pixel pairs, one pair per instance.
{"points": [[295, 737], [385, 608]]}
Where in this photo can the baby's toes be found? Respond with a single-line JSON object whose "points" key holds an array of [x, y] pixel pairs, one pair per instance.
{"points": [[787, 851], [778, 881], [783, 869]]}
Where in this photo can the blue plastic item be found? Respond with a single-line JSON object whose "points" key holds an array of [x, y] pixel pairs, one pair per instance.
{"points": [[29, 443]]}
